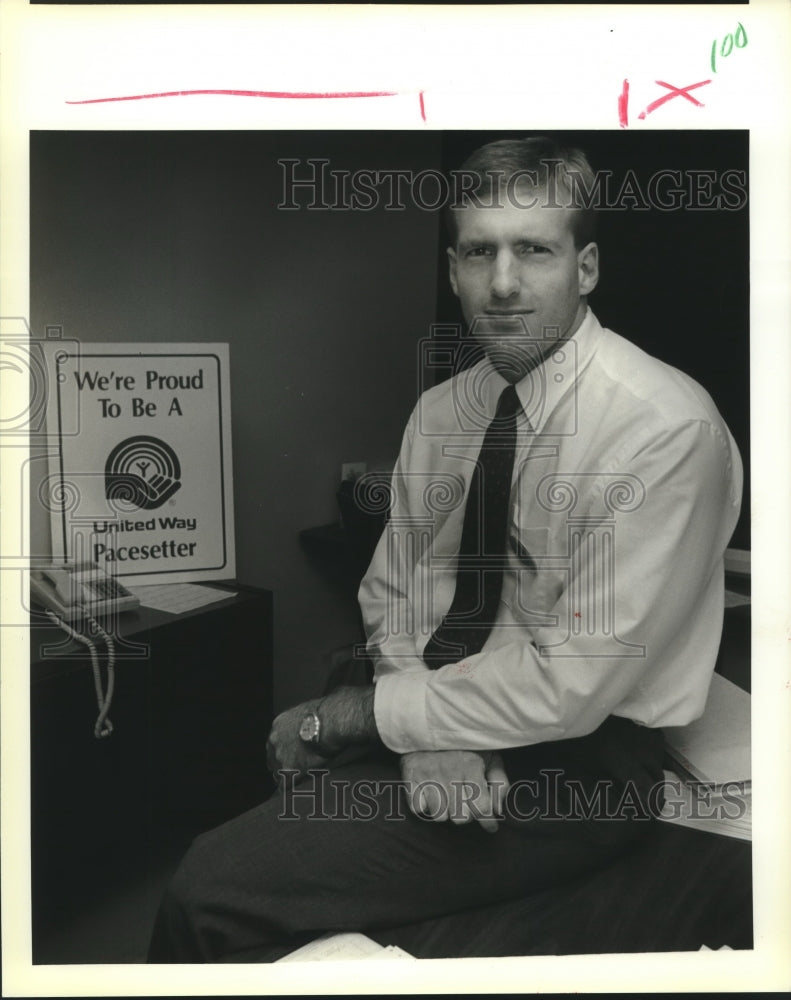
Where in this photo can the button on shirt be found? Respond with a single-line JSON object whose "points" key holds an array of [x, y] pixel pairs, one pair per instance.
{"points": [[626, 490]]}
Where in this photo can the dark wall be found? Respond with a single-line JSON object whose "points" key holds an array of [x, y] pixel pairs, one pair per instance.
{"points": [[675, 282], [176, 236]]}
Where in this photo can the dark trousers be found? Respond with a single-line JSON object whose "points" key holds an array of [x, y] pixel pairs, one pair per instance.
{"points": [[341, 851]]}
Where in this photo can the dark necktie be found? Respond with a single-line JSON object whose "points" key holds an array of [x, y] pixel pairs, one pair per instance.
{"points": [[482, 551]]}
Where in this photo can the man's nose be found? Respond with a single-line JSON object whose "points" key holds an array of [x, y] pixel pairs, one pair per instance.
{"points": [[505, 277]]}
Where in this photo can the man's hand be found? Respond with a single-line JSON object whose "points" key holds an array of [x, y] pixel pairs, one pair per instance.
{"points": [[460, 785], [346, 717]]}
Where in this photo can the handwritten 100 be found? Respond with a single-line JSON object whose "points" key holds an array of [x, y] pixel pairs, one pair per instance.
{"points": [[726, 46]]}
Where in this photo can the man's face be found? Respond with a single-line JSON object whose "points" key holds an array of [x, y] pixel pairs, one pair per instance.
{"points": [[520, 278]]}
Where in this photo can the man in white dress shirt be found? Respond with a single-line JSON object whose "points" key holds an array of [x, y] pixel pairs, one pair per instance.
{"points": [[625, 489]]}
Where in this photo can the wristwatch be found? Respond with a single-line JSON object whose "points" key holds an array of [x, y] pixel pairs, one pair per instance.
{"points": [[310, 733]]}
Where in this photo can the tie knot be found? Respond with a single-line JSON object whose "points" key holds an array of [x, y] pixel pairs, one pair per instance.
{"points": [[502, 426], [508, 405]]}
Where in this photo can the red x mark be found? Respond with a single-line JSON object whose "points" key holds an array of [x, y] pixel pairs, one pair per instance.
{"points": [[675, 92]]}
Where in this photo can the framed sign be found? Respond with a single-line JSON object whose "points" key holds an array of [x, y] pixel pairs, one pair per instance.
{"points": [[141, 482]]}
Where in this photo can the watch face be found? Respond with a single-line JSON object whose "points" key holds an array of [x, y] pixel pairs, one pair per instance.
{"points": [[309, 729]]}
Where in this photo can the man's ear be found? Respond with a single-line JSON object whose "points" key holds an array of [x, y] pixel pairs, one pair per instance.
{"points": [[452, 270], [588, 267]]}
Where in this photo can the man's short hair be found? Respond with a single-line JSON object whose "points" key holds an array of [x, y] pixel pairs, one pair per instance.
{"points": [[539, 162]]}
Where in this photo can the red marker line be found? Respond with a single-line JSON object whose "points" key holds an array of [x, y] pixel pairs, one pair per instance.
{"points": [[623, 106], [291, 95], [675, 92]]}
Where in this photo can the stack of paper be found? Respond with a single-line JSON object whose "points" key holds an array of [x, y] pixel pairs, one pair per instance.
{"points": [[343, 947], [712, 757], [698, 807]]}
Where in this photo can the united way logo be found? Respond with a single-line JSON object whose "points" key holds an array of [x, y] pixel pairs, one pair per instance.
{"points": [[142, 472]]}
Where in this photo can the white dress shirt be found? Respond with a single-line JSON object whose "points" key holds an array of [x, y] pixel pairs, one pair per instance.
{"points": [[626, 490]]}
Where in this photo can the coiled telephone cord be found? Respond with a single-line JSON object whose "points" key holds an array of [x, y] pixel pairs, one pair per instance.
{"points": [[103, 726]]}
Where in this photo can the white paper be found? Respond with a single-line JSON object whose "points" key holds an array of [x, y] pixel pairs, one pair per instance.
{"points": [[336, 947], [176, 598], [512, 67], [716, 747]]}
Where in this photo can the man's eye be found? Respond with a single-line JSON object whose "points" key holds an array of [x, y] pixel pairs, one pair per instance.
{"points": [[479, 252], [531, 248]]}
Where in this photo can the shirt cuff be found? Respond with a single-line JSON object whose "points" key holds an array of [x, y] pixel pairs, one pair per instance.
{"points": [[400, 711]]}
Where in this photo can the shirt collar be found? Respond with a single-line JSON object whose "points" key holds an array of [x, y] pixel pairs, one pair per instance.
{"points": [[542, 389]]}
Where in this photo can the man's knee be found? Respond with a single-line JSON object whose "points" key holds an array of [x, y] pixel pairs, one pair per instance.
{"points": [[184, 928], [210, 867], [188, 886]]}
